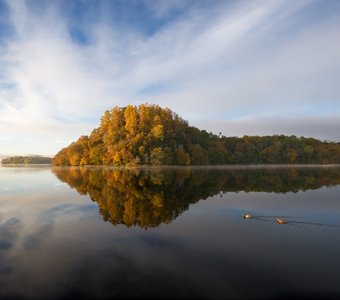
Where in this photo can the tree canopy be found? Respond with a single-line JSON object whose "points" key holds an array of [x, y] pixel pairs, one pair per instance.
{"points": [[151, 135]]}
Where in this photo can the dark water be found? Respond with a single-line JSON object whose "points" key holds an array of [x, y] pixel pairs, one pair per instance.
{"points": [[100, 233]]}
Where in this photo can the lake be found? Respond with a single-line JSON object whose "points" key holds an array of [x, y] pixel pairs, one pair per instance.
{"points": [[172, 232]]}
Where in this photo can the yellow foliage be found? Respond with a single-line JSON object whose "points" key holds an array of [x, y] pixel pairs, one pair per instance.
{"points": [[158, 132]]}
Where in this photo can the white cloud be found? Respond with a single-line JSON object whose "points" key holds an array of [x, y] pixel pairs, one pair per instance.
{"points": [[231, 60]]}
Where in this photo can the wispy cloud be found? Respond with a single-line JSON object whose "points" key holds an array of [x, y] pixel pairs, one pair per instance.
{"points": [[61, 69]]}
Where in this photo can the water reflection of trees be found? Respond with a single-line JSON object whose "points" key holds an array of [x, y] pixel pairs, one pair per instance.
{"points": [[148, 197]]}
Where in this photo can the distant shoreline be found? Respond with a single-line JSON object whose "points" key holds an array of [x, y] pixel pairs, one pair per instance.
{"points": [[238, 166], [24, 165], [26, 160]]}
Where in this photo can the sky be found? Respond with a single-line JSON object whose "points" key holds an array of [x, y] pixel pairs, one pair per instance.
{"points": [[233, 66]]}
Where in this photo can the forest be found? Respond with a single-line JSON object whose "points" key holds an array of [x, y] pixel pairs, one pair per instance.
{"points": [[26, 160], [151, 135]]}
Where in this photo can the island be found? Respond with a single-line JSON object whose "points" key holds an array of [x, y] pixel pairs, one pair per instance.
{"points": [[152, 135], [26, 160]]}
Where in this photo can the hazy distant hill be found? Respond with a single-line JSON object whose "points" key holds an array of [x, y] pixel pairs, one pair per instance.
{"points": [[149, 134], [27, 160]]}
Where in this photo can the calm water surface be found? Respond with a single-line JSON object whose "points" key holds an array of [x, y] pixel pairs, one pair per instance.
{"points": [[169, 233]]}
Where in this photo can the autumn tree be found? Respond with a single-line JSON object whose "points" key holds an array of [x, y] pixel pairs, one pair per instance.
{"points": [[148, 134]]}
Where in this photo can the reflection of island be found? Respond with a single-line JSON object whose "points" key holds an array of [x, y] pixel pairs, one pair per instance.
{"points": [[148, 197]]}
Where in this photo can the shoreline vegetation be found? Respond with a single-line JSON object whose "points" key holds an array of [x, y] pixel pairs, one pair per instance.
{"points": [[204, 167], [151, 135]]}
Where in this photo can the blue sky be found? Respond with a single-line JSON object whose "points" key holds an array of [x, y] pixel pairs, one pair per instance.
{"points": [[239, 67]]}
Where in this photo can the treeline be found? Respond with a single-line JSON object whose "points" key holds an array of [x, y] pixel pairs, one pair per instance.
{"points": [[27, 160], [151, 135], [148, 197]]}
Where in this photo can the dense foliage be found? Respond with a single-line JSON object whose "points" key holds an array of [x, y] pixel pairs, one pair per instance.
{"points": [[149, 134], [27, 160], [148, 197]]}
